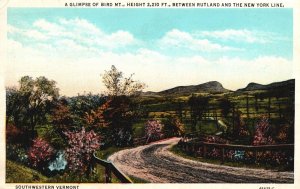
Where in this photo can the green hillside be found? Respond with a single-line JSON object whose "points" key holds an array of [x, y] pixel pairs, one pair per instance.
{"points": [[16, 173]]}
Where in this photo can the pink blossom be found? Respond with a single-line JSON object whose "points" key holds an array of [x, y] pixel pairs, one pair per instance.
{"points": [[40, 152], [82, 145]]}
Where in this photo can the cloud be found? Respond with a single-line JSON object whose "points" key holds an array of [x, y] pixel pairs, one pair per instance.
{"points": [[157, 70], [180, 39], [80, 31], [80, 25], [31, 34], [241, 35], [84, 34], [49, 27], [74, 52]]}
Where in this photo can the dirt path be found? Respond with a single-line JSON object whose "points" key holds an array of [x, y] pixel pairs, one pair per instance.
{"points": [[155, 163]]}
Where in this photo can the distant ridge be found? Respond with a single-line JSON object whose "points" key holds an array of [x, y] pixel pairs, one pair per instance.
{"points": [[288, 84], [209, 87], [216, 87]]}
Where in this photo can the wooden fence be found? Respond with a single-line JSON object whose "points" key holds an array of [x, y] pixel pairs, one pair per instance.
{"points": [[203, 149], [110, 169]]}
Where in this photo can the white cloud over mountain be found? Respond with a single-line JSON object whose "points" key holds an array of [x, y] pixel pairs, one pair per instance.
{"points": [[74, 52]]}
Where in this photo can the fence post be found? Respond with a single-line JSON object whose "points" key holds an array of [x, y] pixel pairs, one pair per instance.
{"points": [[204, 150], [223, 155], [255, 156], [92, 165]]}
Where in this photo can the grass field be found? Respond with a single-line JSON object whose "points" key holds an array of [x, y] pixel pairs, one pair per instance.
{"points": [[17, 173]]}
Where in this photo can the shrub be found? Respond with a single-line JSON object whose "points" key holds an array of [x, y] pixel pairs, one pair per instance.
{"points": [[262, 134], [40, 153], [17, 153], [153, 129], [173, 127], [82, 145], [13, 134]]}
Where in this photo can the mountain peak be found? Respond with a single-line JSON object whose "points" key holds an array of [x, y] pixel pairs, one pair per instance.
{"points": [[255, 86], [208, 87]]}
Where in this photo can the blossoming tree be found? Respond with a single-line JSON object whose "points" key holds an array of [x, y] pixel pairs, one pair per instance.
{"points": [[153, 129], [82, 145]]}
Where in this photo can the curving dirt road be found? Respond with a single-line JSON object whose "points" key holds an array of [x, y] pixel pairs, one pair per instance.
{"points": [[155, 163]]}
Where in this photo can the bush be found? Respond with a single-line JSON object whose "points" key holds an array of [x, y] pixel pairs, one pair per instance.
{"points": [[16, 153], [262, 134], [173, 127], [13, 134], [153, 130], [40, 153], [82, 145]]}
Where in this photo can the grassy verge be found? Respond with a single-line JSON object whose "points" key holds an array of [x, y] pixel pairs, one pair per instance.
{"points": [[176, 150], [16, 173], [138, 180]]}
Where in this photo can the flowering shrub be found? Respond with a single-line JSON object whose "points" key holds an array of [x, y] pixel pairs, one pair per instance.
{"points": [[262, 134], [40, 153], [82, 145], [214, 153], [243, 132], [153, 129]]}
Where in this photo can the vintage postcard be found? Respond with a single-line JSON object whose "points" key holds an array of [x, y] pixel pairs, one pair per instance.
{"points": [[136, 93]]}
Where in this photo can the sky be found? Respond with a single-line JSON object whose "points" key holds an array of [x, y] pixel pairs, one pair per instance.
{"points": [[164, 48]]}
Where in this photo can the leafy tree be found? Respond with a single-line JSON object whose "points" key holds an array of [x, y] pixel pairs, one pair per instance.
{"points": [[119, 116], [38, 96], [13, 106], [83, 105], [118, 85], [226, 106], [173, 127], [96, 118], [198, 105], [122, 111], [62, 116], [82, 145]]}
